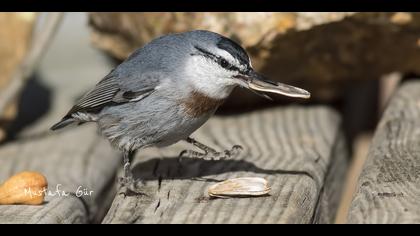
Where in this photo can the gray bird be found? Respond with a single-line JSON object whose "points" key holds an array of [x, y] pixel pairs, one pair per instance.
{"points": [[166, 90]]}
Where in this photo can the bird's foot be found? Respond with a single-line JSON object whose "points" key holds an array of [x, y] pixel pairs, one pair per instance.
{"points": [[212, 155], [127, 181], [130, 185]]}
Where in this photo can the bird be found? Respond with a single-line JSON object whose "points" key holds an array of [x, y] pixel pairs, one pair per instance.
{"points": [[166, 90]]}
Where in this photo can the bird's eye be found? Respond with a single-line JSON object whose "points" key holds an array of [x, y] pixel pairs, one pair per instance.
{"points": [[224, 63]]}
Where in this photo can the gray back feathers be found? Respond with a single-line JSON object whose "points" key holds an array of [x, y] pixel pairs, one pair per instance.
{"points": [[146, 68]]}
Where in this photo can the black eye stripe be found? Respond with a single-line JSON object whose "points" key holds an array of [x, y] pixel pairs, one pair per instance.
{"points": [[205, 52], [219, 60]]}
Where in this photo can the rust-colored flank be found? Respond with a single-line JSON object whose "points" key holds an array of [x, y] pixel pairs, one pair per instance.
{"points": [[199, 104]]}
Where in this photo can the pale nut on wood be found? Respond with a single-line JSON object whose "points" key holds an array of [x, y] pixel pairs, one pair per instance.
{"points": [[26, 188], [240, 187]]}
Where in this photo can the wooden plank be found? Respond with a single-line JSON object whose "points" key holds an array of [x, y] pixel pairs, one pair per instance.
{"points": [[77, 158], [333, 188], [292, 148], [388, 189]]}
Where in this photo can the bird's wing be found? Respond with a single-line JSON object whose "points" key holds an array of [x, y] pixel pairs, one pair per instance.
{"points": [[110, 91]]}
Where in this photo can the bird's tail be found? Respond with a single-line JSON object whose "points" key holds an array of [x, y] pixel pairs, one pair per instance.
{"points": [[64, 122]]}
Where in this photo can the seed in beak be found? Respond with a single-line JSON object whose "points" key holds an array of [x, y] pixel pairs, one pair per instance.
{"points": [[278, 88], [260, 83]]}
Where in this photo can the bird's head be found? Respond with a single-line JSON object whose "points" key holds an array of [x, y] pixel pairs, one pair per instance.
{"points": [[216, 64]]}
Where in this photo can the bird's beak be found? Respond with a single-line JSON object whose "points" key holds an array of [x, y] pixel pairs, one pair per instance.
{"points": [[259, 83]]}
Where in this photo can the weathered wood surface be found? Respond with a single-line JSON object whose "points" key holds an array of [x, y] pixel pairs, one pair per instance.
{"points": [[333, 188], [388, 189], [295, 149], [72, 159]]}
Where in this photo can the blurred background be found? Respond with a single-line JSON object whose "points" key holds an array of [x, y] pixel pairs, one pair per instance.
{"points": [[349, 61]]}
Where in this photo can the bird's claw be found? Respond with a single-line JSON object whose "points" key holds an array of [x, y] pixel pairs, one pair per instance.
{"points": [[132, 185], [236, 150]]}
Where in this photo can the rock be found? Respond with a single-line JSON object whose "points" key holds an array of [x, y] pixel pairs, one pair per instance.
{"points": [[15, 37], [324, 53]]}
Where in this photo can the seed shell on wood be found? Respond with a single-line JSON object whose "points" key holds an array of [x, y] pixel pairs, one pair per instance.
{"points": [[240, 187]]}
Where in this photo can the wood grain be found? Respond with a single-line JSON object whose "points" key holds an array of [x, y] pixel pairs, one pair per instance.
{"points": [[333, 188], [293, 148], [388, 189], [69, 159]]}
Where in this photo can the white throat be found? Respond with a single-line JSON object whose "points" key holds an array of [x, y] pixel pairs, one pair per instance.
{"points": [[207, 78]]}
